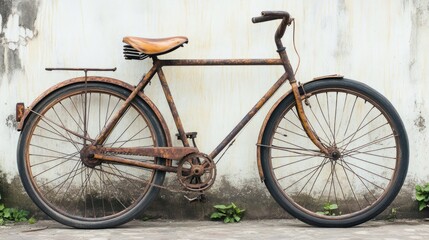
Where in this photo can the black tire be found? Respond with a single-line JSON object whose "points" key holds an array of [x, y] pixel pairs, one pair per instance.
{"points": [[51, 168], [369, 159]]}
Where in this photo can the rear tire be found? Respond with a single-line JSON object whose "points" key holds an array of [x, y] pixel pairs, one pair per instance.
{"points": [[79, 194], [369, 159]]}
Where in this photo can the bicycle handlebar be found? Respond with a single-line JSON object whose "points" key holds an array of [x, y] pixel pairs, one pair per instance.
{"points": [[273, 15]]}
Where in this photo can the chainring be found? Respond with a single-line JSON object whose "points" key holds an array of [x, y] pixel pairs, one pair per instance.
{"points": [[196, 172]]}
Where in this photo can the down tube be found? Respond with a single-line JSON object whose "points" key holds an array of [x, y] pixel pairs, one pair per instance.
{"points": [[248, 116]]}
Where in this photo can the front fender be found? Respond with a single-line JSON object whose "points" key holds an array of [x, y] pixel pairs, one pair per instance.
{"points": [[107, 80], [264, 124]]}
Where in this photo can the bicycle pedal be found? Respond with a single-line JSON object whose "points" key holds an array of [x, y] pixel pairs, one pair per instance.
{"points": [[190, 135]]}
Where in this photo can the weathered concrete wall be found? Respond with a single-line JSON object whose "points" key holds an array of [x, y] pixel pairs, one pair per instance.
{"points": [[381, 43]]}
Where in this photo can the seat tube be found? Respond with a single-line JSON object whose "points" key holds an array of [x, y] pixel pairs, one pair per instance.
{"points": [[172, 106]]}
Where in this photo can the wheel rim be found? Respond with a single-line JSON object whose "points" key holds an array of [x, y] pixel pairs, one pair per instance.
{"points": [[62, 180], [358, 172]]}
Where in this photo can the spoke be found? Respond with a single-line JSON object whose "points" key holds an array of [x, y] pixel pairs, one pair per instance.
{"points": [[369, 152], [354, 134], [295, 145], [371, 131], [320, 125], [362, 179], [359, 127], [61, 163], [333, 164], [62, 124], [56, 124], [102, 190], [342, 115], [286, 130], [61, 184], [126, 127], [319, 169], [57, 139], [51, 150], [324, 162], [295, 150], [342, 191], [323, 115], [70, 157], [311, 126], [368, 171], [326, 184], [351, 187], [298, 161], [376, 164], [74, 120], [304, 170], [350, 117], [368, 144], [335, 117]]}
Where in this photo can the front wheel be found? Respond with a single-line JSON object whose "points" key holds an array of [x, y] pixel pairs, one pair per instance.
{"points": [[78, 191], [368, 157]]}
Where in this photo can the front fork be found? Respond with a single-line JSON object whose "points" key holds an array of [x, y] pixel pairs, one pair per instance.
{"points": [[304, 121]]}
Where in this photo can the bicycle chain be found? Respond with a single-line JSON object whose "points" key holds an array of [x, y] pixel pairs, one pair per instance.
{"points": [[149, 183]]}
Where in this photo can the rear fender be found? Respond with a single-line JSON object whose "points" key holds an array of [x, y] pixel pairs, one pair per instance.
{"points": [[107, 80]]}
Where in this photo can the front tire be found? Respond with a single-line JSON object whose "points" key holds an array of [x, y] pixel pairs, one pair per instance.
{"points": [[369, 157]]}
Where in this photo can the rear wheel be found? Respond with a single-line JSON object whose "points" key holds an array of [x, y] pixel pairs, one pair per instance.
{"points": [[87, 193], [365, 168]]}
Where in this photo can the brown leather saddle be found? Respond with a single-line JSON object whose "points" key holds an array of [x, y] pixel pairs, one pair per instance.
{"points": [[141, 48]]}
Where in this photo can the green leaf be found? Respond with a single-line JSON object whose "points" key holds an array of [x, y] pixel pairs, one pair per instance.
{"points": [[32, 220], [237, 218], [1, 221], [422, 206], [418, 188], [1, 207], [6, 213], [217, 215], [419, 197], [332, 206], [222, 207]]}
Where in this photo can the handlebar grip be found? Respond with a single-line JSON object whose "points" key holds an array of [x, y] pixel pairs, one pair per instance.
{"points": [[263, 19], [278, 14]]}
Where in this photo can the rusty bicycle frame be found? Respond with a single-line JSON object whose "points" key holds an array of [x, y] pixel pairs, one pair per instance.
{"points": [[95, 149], [180, 152]]}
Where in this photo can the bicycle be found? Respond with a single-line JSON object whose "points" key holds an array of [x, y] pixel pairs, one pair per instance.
{"points": [[93, 151]]}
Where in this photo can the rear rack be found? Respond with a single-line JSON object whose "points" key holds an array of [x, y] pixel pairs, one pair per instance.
{"points": [[131, 53]]}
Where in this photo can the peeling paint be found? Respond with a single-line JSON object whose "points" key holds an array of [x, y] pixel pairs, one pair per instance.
{"points": [[11, 121], [16, 30]]}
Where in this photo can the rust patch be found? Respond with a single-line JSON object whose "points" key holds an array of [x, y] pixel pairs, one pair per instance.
{"points": [[420, 123]]}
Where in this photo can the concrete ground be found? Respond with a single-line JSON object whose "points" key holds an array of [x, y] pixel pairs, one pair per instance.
{"points": [[261, 229]]}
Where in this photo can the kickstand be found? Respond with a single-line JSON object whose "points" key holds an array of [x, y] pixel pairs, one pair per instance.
{"points": [[201, 197]]}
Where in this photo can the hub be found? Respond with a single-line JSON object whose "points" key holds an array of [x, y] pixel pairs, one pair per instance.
{"points": [[334, 153], [86, 156]]}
